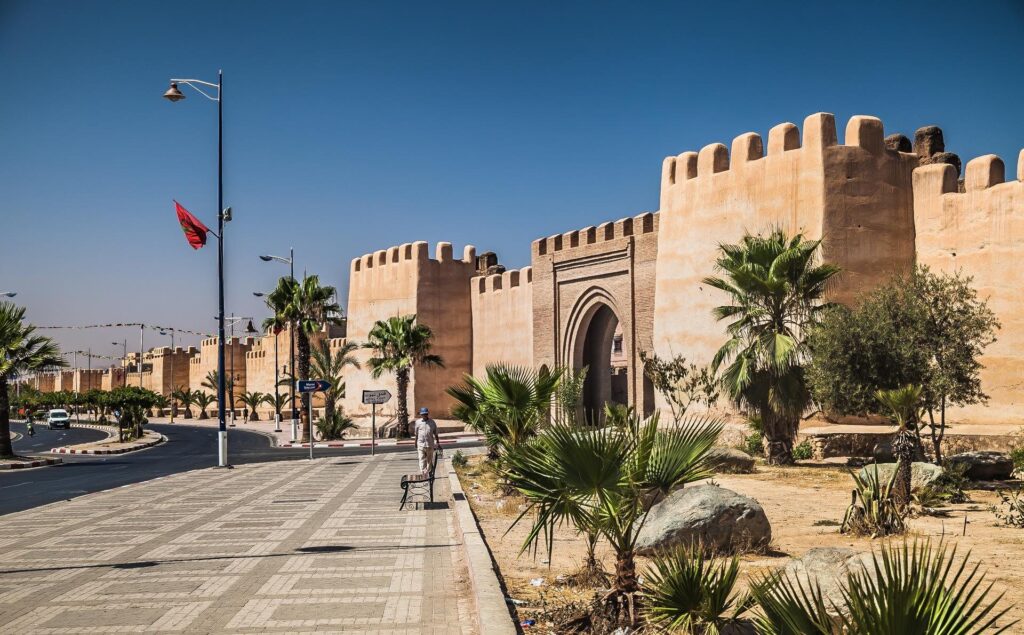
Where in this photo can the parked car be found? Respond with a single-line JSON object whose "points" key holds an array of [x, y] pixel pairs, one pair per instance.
{"points": [[58, 418]]}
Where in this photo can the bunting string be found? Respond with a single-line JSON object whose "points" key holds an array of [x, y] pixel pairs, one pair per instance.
{"points": [[152, 327]]}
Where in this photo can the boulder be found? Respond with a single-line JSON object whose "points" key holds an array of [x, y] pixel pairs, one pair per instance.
{"points": [[829, 567], [899, 143], [984, 465], [921, 474], [719, 519], [731, 460]]}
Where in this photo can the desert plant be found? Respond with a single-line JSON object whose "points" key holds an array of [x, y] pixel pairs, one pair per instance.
{"points": [[603, 481], [186, 398], [21, 351], [279, 401], [399, 344], [776, 292], [203, 401], [507, 406], [681, 383], [330, 366], [686, 591], [907, 588], [873, 511], [569, 395], [253, 400], [334, 426], [459, 459], [903, 404], [1010, 510]]}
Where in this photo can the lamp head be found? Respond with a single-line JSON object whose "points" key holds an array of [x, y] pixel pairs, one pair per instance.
{"points": [[266, 258], [249, 328], [9, 294], [258, 294], [173, 94]]}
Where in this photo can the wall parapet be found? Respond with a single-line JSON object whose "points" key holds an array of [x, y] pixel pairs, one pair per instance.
{"points": [[415, 252], [645, 223], [506, 280]]}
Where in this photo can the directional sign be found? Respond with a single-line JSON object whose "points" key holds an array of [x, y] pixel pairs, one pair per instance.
{"points": [[312, 385], [376, 396]]}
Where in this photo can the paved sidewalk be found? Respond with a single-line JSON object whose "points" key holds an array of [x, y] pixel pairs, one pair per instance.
{"points": [[292, 546]]}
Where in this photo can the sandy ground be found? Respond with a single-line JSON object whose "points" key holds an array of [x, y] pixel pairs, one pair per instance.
{"points": [[805, 505]]}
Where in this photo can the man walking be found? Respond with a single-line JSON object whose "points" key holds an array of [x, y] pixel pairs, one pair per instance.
{"points": [[427, 441]]}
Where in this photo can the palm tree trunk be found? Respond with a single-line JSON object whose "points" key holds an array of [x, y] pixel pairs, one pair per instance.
{"points": [[303, 361], [625, 589], [6, 449], [402, 377], [778, 437], [903, 448]]}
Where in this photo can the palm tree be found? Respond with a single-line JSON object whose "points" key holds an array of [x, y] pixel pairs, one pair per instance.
{"points": [[776, 289], [278, 402], [508, 406], [212, 377], [21, 351], [186, 398], [252, 401], [203, 401], [604, 481], [309, 307], [904, 406], [399, 344], [332, 368]]}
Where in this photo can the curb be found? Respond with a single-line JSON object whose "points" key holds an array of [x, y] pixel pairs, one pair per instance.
{"points": [[488, 597], [28, 464], [380, 444], [140, 446]]}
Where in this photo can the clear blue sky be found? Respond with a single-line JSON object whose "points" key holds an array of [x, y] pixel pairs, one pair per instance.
{"points": [[351, 127]]}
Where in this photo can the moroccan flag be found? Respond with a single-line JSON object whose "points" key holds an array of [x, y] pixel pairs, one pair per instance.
{"points": [[195, 230]]}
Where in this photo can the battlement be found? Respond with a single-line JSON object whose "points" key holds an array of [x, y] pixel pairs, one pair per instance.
{"points": [[416, 252], [982, 173], [819, 133], [645, 223], [507, 280]]}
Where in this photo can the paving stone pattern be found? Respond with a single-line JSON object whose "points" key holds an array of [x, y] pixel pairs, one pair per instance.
{"points": [[283, 547]]}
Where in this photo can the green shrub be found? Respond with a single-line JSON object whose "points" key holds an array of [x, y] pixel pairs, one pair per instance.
{"points": [[1011, 509], [335, 427], [1017, 456], [459, 459], [873, 511], [753, 444], [803, 451]]}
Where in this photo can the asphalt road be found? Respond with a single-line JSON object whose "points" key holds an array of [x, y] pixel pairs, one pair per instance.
{"points": [[187, 448], [46, 439]]}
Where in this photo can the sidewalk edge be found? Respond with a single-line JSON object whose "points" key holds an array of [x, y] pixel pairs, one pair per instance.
{"points": [[488, 597]]}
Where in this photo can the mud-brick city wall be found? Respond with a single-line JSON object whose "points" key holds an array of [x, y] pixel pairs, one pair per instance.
{"points": [[980, 232], [858, 197], [405, 280], [502, 306]]}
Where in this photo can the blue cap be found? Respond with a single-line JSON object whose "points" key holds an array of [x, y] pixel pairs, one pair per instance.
{"points": [[424, 411]]}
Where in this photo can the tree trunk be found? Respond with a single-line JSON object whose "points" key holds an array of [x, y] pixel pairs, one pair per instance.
{"points": [[778, 437], [6, 449], [303, 362], [402, 377], [625, 589], [903, 447]]}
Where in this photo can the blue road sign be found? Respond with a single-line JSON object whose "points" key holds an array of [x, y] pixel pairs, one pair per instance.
{"points": [[312, 385]]}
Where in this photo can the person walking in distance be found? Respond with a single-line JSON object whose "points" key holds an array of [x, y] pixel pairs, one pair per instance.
{"points": [[427, 441]]}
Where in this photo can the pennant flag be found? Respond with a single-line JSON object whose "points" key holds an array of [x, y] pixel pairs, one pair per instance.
{"points": [[195, 230]]}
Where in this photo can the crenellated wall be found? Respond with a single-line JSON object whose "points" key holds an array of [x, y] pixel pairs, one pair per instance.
{"points": [[858, 197], [502, 312], [403, 280], [981, 233]]}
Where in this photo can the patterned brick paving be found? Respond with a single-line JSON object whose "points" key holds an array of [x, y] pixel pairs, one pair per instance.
{"points": [[286, 547]]}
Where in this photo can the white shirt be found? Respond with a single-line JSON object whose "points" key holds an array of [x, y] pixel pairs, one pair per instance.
{"points": [[426, 433]]}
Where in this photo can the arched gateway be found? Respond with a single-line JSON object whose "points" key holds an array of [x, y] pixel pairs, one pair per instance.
{"points": [[593, 306]]}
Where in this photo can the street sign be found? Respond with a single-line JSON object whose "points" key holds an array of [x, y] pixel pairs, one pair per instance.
{"points": [[312, 385], [376, 396]]}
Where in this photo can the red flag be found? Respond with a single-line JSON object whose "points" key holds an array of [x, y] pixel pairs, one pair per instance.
{"points": [[195, 230]]}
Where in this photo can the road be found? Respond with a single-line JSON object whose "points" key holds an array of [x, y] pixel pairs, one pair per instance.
{"points": [[46, 439], [187, 448]]}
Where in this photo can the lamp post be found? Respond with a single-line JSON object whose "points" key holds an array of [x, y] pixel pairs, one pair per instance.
{"points": [[174, 95], [8, 294], [172, 371], [249, 330], [290, 261], [124, 358], [277, 380]]}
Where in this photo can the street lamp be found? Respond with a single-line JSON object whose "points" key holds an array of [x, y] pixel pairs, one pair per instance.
{"points": [[124, 360], [174, 95], [277, 380], [290, 261], [249, 330], [8, 294], [172, 371]]}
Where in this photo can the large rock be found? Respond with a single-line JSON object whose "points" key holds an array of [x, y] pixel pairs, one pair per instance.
{"points": [[921, 474], [731, 460], [829, 567], [984, 465], [714, 517]]}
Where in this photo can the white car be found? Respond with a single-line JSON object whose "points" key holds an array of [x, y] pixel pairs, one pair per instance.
{"points": [[58, 418]]}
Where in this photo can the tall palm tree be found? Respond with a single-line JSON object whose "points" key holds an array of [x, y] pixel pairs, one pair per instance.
{"points": [[331, 367], [203, 401], [21, 351], [508, 406], [210, 382], [309, 307], [775, 287], [186, 398], [604, 481], [399, 344]]}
